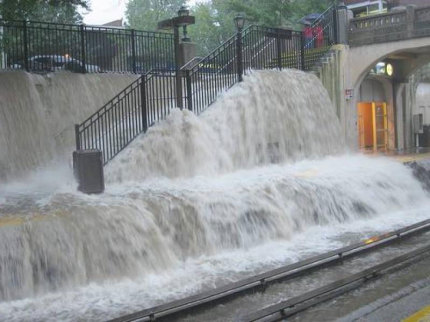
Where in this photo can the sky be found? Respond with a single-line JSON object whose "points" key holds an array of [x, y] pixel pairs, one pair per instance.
{"points": [[104, 11]]}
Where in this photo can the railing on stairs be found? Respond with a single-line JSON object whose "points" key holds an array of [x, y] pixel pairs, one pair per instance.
{"points": [[144, 102], [152, 96], [325, 35]]}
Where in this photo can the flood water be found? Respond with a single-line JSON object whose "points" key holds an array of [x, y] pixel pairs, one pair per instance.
{"points": [[262, 178]]}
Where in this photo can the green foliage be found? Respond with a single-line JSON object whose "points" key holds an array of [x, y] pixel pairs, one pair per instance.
{"points": [[145, 14], [214, 18], [301, 8], [43, 10]]}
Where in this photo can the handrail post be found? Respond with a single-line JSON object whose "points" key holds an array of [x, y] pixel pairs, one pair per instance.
{"points": [[133, 50], [189, 91], [302, 51], [83, 58], [143, 102], [77, 137], [239, 55], [26, 66], [178, 76], [278, 49]]}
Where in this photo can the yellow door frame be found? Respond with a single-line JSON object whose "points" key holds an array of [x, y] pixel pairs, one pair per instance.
{"points": [[374, 124], [375, 138]]}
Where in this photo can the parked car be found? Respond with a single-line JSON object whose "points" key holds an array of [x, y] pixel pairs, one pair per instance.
{"points": [[52, 63]]}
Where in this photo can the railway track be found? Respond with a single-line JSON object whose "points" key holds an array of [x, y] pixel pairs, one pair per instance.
{"points": [[181, 308]]}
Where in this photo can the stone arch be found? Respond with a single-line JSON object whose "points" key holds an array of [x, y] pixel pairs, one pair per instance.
{"points": [[363, 58]]}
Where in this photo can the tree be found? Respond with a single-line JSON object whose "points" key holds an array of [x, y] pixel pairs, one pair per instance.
{"points": [[62, 11], [301, 8], [214, 18], [273, 13], [213, 26], [145, 14]]}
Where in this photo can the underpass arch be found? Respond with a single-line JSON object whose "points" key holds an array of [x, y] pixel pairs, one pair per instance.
{"points": [[407, 57]]}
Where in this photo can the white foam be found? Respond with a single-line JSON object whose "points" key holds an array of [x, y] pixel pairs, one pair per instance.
{"points": [[196, 202]]}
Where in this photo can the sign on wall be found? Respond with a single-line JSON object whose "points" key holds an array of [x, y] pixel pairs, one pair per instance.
{"points": [[349, 94]]}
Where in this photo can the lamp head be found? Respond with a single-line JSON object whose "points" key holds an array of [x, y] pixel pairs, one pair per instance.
{"points": [[183, 11], [239, 21]]}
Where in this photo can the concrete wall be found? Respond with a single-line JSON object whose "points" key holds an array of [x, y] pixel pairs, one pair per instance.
{"points": [[371, 90], [38, 113], [332, 74], [423, 102]]}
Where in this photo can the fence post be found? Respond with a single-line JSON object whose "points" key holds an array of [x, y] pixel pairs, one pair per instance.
{"points": [[178, 76], [239, 55], [302, 51], [133, 50], [278, 48], [410, 20], [77, 137], [189, 91], [83, 58], [143, 101], [26, 47], [335, 27]]}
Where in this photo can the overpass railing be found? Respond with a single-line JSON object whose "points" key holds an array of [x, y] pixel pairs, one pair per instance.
{"points": [[150, 98], [47, 47], [392, 26]]}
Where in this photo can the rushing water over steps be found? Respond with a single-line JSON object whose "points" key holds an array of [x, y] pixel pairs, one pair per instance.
{"points": [[204, 187], [272, 117]]}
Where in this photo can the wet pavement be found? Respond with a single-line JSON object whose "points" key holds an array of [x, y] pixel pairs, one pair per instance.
{"points": [[394, 297]]}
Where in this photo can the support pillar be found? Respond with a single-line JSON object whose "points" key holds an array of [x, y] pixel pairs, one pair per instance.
{"points": [[342, 25], [187, 52], [399, 95]]}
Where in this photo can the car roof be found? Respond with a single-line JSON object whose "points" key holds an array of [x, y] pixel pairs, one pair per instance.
{"points": [[54, 57]]}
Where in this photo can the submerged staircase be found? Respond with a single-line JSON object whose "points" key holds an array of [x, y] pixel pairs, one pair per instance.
{"points": [[153, 95]]}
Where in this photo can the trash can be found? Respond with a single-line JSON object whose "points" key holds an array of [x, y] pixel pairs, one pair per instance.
{"points": [[425, 137], [88, 170]]}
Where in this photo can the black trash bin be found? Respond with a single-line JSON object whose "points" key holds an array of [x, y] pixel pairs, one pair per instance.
{"points": [[88, 170], [425, 137]]}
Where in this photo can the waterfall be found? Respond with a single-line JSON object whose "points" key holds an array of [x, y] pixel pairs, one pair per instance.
{"points": [[266, 163], [38, 112], [271, 117]]}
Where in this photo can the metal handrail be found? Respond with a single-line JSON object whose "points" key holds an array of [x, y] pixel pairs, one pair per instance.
{"points": [[150, 98], [101, 129], [324, 13]]}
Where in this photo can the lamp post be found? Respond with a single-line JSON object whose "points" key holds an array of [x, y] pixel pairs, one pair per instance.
{"points": [[184, 12], [183, 19], [239, 21]]}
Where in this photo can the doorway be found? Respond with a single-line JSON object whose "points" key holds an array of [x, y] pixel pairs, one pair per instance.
{"points": [[372, 126]]}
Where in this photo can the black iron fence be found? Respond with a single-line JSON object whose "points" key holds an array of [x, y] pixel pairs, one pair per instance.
{"points": [[46, 47], [151, 98], [140, 105]]}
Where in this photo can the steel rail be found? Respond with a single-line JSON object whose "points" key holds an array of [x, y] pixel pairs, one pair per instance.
{"points": [[304, 301], [282, 273]]}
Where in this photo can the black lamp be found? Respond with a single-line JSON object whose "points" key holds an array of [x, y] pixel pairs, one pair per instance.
{"points": [[184, 12], [239, 21]]}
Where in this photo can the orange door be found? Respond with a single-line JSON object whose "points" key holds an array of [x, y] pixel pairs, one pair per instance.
{"points": [[365, 125], [372, 125]]}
